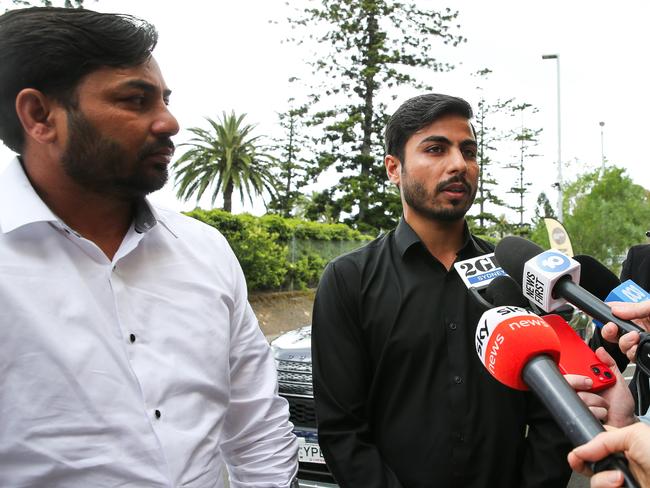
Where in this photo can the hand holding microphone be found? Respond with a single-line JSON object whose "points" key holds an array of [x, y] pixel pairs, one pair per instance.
{"points": [[613, 405], [520, 350], [633, 440], [639, 313]]}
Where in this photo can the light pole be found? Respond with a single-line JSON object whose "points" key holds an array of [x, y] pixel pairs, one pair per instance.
{"points": [[602, 146], [559, 137]]}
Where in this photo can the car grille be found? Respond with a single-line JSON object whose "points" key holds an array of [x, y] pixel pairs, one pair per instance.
{"points": [[301, 411], [294, 378], [315, 472], [295, 384]]}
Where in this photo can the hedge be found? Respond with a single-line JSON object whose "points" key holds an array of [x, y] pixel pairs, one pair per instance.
{"points": [[278, 253]]}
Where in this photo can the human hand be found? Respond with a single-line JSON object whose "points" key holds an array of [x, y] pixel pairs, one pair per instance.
{"points": [[639, 313], [633, 441], [613, 405]]}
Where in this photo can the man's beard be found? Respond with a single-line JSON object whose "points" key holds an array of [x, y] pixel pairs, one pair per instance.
{"points": [[417, 197], [101, 165]]}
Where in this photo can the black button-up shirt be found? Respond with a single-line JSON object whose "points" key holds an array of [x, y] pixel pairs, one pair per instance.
{"points": [[402, 399]]}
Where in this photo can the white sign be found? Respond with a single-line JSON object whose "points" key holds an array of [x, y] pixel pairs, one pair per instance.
{"points": [[309, 452], [478, 272]]}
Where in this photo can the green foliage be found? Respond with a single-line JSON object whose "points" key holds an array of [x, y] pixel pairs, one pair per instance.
{"points": [[539, 234], [261, 257], [527, 139], [306, 271], [227, 158], [281, 253], [374, 46], [606, 213], [291, 163], [487, 136]]}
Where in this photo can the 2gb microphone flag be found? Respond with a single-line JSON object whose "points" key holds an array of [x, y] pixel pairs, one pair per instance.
{"points": [[478, 272]]}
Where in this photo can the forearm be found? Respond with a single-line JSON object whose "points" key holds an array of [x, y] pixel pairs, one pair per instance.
{"points": [[258, 445]]}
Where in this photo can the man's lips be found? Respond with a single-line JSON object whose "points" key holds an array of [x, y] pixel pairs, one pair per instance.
{"points": [[162, 155], [455, 188]]}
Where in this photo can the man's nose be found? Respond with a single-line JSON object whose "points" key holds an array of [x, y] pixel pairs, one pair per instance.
{"points": [[457, 162], [165, 123]]}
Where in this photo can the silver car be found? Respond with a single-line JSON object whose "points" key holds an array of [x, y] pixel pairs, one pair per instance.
{"points": [[292, 353]]}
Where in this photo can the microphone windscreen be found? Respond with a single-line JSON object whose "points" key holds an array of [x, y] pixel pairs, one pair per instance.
{"points": [[507, 338], [595, 277], [503, 290], [512, 252]]}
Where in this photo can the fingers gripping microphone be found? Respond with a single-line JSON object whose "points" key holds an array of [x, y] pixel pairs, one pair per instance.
{"points": [[599, 280], [521, 350]]}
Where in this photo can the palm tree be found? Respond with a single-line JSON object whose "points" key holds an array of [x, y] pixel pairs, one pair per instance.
{"points": [[227, 158]]}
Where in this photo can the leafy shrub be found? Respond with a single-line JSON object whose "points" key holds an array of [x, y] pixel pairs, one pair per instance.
{"points": [[281, 253]]}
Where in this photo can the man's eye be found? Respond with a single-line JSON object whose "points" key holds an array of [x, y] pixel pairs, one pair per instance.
{"points": [[434, 149], [470, 153], [137, 100]]}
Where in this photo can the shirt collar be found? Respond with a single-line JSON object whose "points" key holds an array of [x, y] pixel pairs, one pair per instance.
{"points": [[405, 238], [20, 205], [146, 217]]}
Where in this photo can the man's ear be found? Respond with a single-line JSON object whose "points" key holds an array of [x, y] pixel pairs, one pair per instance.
{"points": [[36, 114], [393, 169]]}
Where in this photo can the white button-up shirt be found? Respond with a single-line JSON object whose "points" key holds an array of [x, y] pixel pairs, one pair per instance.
{"points": [[149, 370]]}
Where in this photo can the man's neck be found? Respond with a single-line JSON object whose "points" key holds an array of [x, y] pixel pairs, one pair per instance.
{"points": [[101, 218], [443, 239]]}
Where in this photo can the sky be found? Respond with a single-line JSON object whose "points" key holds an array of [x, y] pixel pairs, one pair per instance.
{"points": [[222, 55]]}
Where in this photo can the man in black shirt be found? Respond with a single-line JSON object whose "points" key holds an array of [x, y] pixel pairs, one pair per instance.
{"points": [[402, 399]]}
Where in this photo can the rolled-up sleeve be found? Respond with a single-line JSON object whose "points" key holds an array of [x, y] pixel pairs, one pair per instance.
{"points": [[259, 447]]}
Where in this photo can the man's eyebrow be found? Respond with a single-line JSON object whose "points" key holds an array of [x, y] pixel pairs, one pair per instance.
{"points": [[146, 86], [442, 139], [469, 142]]}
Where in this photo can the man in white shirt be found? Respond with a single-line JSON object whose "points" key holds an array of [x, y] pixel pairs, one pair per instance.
{"points": [[129, 355]]}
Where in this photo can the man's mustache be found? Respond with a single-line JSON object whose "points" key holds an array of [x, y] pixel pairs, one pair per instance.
{"points": [[440, 187], [161, 145]]}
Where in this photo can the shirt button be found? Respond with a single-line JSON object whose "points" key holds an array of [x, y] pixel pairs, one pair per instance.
{"points": [[132, 338], [458, 380], [157, 414], [452, 325]]}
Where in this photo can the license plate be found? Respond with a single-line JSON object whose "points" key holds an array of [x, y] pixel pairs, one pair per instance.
{"points": [[309, 452]]}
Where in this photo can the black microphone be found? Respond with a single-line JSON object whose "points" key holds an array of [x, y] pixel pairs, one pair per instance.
{"points": [[595, 277], [503, 290], [547, 280]]}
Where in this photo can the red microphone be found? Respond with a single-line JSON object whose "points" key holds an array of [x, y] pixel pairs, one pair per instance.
{"points": [[508, 337], [521, 351]]}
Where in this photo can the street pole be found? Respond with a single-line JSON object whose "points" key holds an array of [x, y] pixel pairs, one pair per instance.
{"points": [[559, 137], [602, 146]]}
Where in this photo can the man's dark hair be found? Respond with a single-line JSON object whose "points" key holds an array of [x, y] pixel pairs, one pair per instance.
{"points": [[418, 112], [52, 49]]}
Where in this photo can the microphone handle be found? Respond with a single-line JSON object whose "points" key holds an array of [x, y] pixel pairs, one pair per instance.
{"points": [[575, 419], [595, 307], [618, 462], [591, 304]]}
